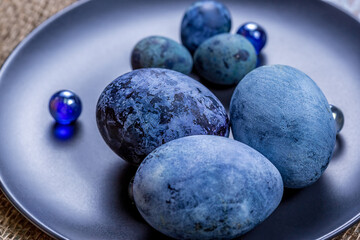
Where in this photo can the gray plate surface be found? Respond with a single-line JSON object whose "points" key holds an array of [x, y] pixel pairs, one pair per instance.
{"points": [[77, 188]]}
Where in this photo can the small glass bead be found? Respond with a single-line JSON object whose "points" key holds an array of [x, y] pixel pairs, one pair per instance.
{"points": [[255, 34], [338, 116], [65, 107]]}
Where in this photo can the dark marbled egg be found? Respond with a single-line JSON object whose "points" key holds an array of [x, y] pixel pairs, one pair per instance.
{"points": [[145, 108], [281, 112], [202, 20], [206, 187], [225, 59], [161, 52]]}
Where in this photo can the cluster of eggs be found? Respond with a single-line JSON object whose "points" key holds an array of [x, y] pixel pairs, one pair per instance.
{"points": [[218, 56], [193, 182]]}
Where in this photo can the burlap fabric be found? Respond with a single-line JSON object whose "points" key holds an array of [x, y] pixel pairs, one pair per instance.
{"points": [[17, 19]]}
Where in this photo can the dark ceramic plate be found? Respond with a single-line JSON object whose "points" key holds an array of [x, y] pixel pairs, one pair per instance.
{"points": [[76, 188]]}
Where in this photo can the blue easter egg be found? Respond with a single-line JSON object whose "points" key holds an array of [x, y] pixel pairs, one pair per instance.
{"points": [[255, 34], [145, 108], [161, 52], [202, 20], [65, 107], [206, 187], [225, 58], [281, 112]]}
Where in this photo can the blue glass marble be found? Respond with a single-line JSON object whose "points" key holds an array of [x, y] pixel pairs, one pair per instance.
{"points": [[255, 34], [65, 107], [338, 117]]}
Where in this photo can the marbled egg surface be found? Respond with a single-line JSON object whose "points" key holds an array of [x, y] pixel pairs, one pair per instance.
{"points": [[281, 112], [206, 187], [145, 108], [161, 52], [225, 59], [202, 20]]}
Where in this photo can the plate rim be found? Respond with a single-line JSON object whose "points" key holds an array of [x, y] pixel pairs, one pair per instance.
{"points": [[78, 3], [4, 189]]}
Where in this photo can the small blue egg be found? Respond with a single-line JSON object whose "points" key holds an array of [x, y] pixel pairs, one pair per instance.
{"points": [[255, 34], [161, 52], [203, 20], [338, 117], [225, 58], [65, 107]]}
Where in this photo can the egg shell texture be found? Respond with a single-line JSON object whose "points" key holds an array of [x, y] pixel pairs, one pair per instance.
{"points": [[202, 20], [206, 187], [225, 59], [282, 113], [145, 108], [161, 52]]}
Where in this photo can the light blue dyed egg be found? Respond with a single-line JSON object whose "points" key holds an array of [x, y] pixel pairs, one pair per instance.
{"points": [[206, 187], [281, 112], [225, 59]]}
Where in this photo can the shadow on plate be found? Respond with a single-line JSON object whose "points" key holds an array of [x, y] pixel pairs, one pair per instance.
{"points": [[120, 202], [289, 193], [339, 147], [262, 60], [65, 133], [224, 92]]}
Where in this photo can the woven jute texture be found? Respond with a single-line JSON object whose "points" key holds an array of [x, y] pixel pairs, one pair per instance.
{"points": [[17, 19]]}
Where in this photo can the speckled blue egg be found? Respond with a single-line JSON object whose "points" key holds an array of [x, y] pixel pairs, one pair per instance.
{"points": [[281, 112], [145, 108], [161, 52], [225, 59], [206, 187], [202, 20]]}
